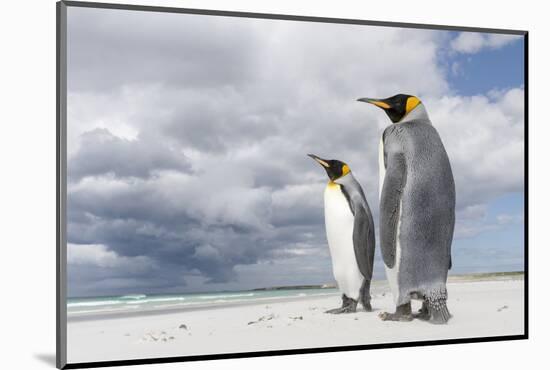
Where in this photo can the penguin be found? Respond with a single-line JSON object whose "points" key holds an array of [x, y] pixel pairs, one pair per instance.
{"points": [[417, 210], [350, 234]]}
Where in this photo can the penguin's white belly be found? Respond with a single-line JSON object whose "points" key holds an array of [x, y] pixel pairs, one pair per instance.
{"points": [[391, 273], [339, 226], [381, 168]]}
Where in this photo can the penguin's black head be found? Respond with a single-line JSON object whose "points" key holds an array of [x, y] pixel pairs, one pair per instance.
{"points": [[396, 107], [335, 168]]}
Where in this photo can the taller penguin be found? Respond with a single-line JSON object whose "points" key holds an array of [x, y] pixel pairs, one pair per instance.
{"points": [[417, 210], [350, 235]]}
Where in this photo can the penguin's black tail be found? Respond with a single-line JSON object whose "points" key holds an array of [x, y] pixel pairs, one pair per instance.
{"points": [[364, 295], [437, 306]]}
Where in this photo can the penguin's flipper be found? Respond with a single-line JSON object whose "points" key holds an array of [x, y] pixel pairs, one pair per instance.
{"points": [[390, 200], [363, 241]]}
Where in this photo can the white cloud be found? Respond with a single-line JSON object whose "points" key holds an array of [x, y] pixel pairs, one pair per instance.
{"points": [[473, 42], [473, 220], [485, 142], [99, 255], [88, 111], [506, 219]]}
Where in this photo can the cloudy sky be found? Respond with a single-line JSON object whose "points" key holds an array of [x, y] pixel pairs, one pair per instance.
{"points": [[188, 134]]}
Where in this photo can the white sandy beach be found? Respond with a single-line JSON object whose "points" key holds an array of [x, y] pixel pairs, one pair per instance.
{"points": [[479, 308]]}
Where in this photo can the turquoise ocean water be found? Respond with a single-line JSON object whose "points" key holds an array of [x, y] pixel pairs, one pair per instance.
{"points": [[142, 302]]}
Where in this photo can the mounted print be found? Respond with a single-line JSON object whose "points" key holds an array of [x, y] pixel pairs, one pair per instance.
{"points": [[237, 184]]}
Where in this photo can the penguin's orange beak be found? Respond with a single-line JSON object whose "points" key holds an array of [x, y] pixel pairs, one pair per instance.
{"points": [[321, 161], [378, 102]]}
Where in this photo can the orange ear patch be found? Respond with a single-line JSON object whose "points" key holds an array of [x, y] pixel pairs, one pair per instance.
{"points": [[412, 102], [345, 170]]}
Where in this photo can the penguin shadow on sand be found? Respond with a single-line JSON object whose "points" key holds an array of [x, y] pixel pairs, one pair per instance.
{"points": [[350, 235]]}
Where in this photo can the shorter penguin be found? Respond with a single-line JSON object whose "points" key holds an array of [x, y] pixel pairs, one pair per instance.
{"points": [[350, 235]]}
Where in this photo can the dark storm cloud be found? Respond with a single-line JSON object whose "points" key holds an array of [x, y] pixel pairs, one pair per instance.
{"points": [[195, 229], [121, 276], [215, 120], [102, 153], [145, 47]]}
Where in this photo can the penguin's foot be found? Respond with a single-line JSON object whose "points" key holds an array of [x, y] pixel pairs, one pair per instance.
{"points": [[347, 309], [349, 305], [402, 313], [423, 313], [436, 304]]}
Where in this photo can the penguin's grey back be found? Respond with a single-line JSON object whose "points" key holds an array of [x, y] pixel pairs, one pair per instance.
{"points": [[427, 214]]}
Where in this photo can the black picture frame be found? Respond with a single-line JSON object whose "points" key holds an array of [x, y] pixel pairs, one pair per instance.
{"points": [[61, 184]]}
